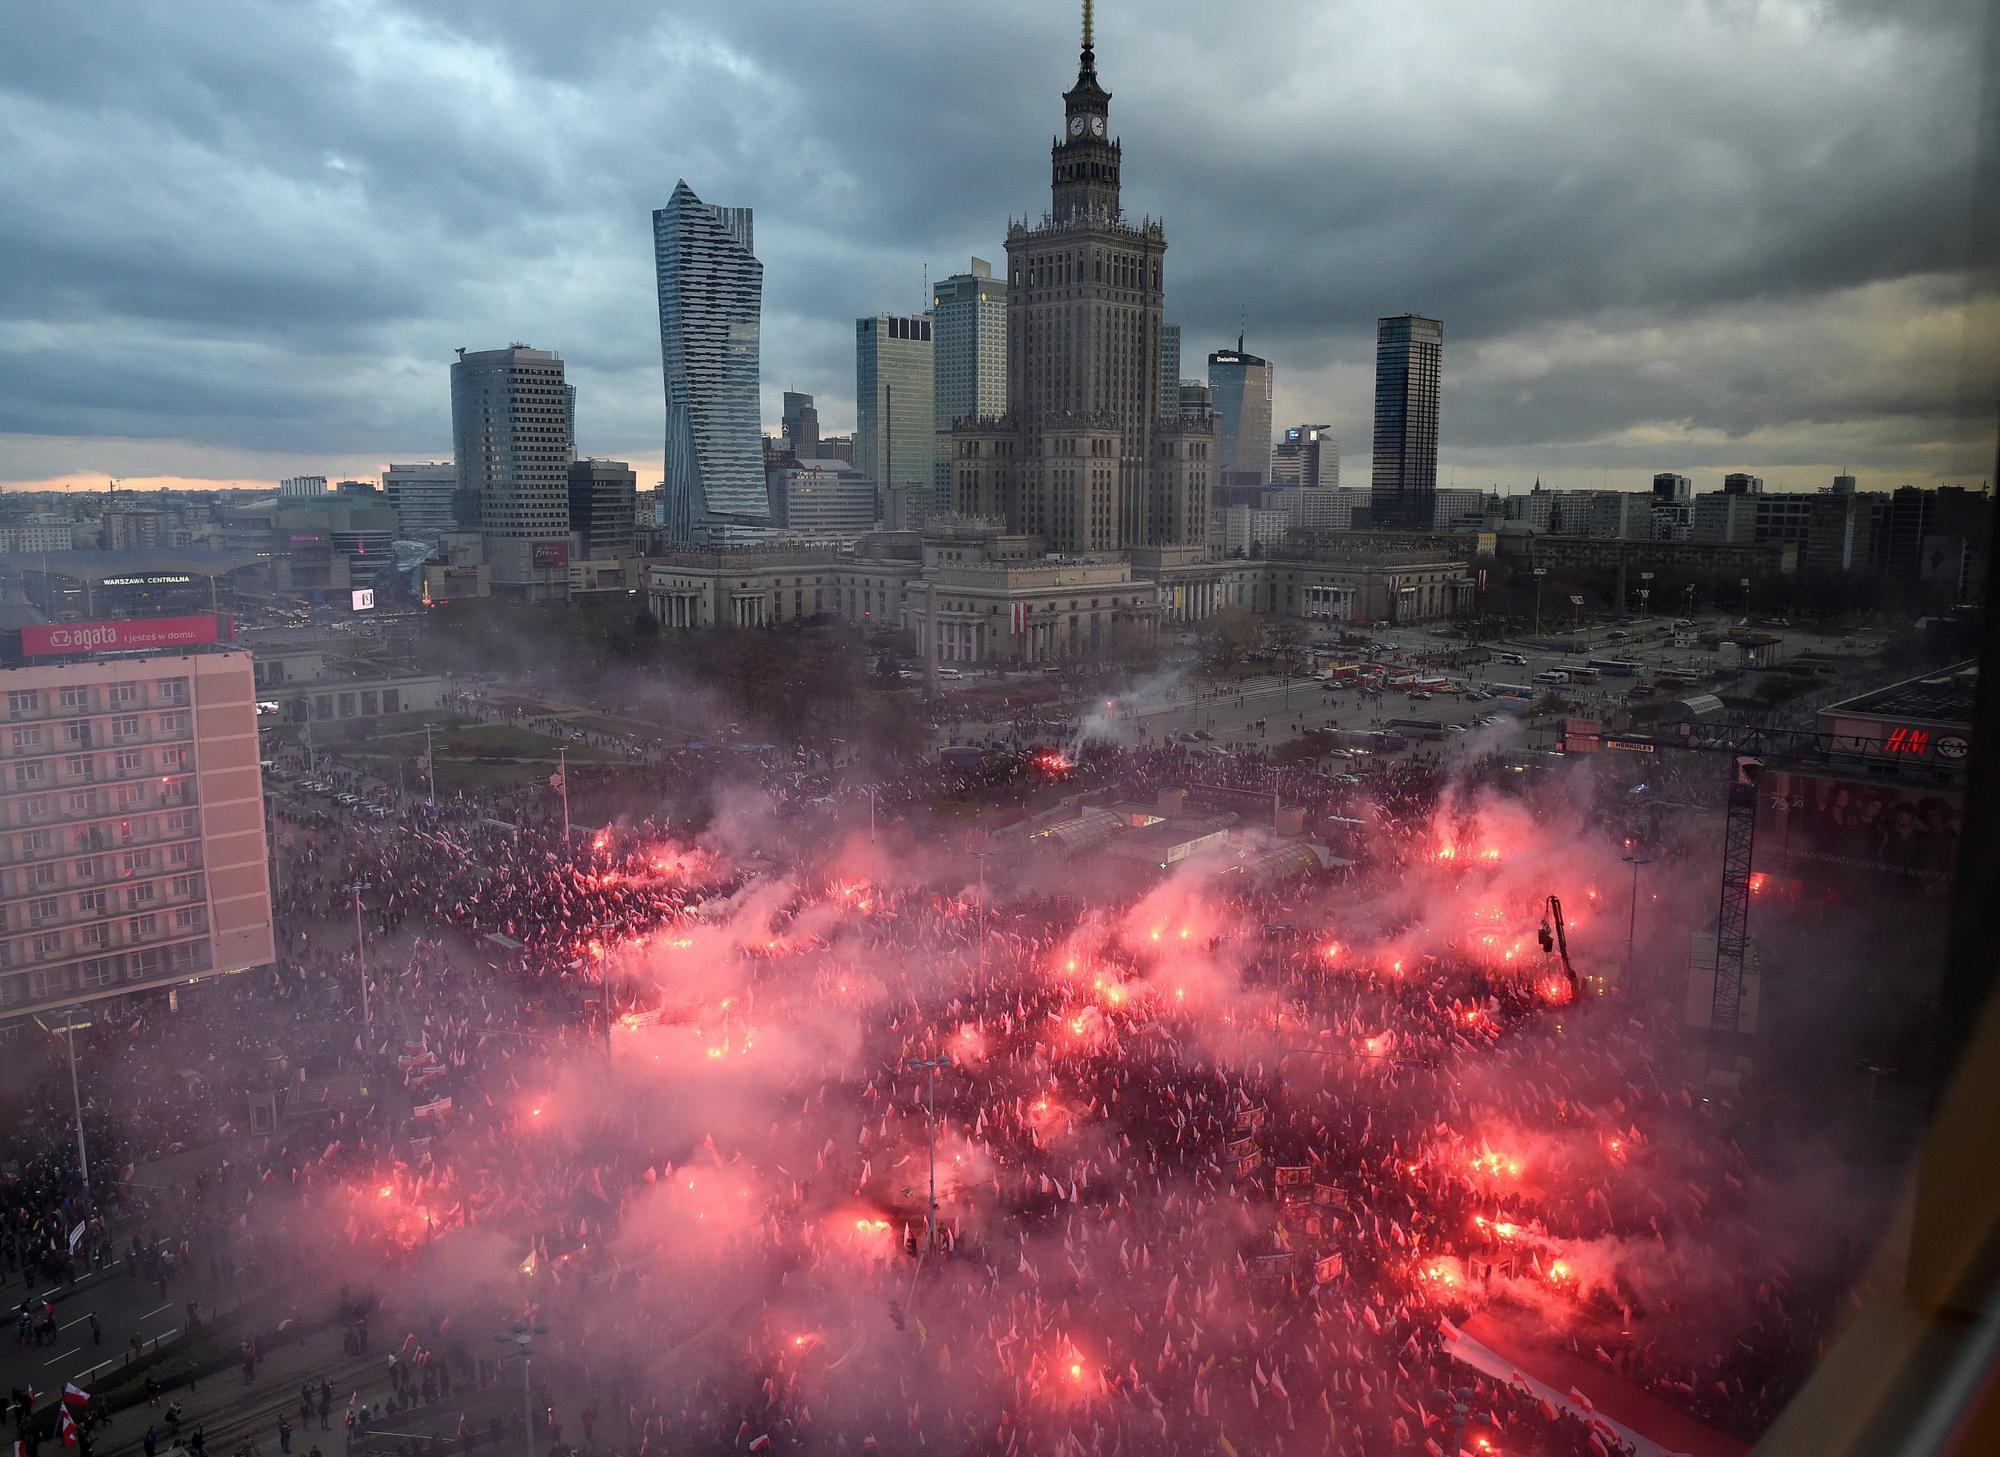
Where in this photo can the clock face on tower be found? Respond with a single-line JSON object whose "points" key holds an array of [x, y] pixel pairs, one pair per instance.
{"points": [[1076, 126], [1097, 126]]}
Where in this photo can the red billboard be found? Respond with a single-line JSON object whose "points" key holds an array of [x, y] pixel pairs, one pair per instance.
{"points": [[134, 635], [551, 556]]}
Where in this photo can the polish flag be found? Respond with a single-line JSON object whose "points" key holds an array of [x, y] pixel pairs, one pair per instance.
{"points": [[74, 1395]]}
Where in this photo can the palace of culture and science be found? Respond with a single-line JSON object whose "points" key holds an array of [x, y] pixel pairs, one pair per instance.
{"points": [[1079, 518], [1082, 458]]}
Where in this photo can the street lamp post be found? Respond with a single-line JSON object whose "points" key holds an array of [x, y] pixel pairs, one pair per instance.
{"points": [[69, 1029], [523, 1339], [601, 926], [980, 856], [1540, 572], [1635, 860], [929, 1066], [1645, 592], [360, 958]]}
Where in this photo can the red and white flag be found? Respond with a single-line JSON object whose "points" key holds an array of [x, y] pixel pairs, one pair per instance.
{"points": [[74, 1395], [69, 1432]]}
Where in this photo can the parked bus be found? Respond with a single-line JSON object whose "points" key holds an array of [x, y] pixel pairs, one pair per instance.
{"points": [[1513, 696], [1585, 675], [1613, 667], [1416, 728]]}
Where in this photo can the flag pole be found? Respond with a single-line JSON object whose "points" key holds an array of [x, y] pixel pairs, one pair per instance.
{"points": [[430, 766], [562, 776]]}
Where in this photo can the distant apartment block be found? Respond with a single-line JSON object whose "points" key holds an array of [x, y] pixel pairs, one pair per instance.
{"points": [[132, 850]]}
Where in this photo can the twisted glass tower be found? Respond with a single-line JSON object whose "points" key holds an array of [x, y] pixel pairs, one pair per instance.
{"points": [[711, 295]]}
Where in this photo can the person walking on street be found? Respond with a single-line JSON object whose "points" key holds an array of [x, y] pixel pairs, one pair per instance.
{"points": [[284, 1433]]}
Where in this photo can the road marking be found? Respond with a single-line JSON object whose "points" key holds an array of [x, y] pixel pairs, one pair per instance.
{"points": [[151, 1313], [63, 1357], [78, 1321]]}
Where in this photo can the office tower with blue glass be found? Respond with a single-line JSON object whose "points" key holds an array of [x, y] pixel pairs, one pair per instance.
{"points": [[1409, 354], [969, 360]]}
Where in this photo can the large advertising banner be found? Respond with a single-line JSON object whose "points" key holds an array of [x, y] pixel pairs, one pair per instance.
{"points": [[48, 640], [1854, 836], [550, 556]]}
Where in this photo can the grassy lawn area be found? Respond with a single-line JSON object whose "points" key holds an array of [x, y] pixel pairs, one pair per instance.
{"points": [[469, 755]]}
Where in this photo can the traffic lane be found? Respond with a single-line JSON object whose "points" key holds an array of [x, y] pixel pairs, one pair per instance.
{"points": [[124, 1307]]}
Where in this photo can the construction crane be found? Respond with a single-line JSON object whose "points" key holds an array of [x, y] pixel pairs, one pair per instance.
{"points": [[1554, 937]]}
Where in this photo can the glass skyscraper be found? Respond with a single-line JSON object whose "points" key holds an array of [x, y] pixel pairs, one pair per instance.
{"points": [[711, 298], [895, 426], [1170, 371], [969, 354], [1409, 352], [1241, 386]]}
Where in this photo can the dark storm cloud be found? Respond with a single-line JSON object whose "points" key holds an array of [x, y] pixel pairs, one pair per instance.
{"points": [[262, 228]]}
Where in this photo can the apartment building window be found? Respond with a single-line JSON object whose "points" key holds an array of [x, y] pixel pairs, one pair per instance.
{"points": [[23, 700], [49, 943], [38, 842], [42, 875], [137, 860], [120, 694], [92, 903], [82, 802], [32, 772], [174, 690], [27, 737], [12, 990], [186, 887], [75, 698], [187, 918], [99, 972], [175, 759], [131, 795], [35, 806], [79, 766], [392, 700], [48, 981], [128, 759], [144, 963], [76, 734], [45, 909], [187, 956], [141, 926], [86, 868], [180, 854], [98, 935], [181, 822], [173, 723], [140, 895], [125, 728]]}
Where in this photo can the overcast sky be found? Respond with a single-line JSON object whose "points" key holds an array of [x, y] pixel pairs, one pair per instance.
{"points": [[240, 241]]}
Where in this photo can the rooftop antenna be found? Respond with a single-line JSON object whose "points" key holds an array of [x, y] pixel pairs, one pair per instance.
{"points": [[1086, 24]]}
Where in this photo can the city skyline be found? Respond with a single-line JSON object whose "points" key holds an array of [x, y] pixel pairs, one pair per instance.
{"points": [[1767, 309]]}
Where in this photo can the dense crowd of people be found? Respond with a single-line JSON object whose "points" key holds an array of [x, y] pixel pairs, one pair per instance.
{"points": [[1225, 1165]]}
